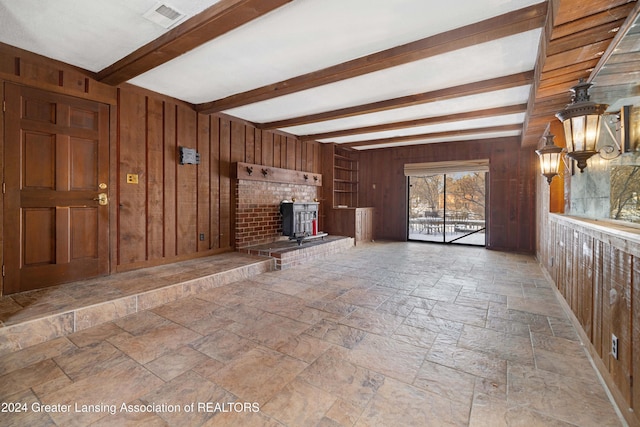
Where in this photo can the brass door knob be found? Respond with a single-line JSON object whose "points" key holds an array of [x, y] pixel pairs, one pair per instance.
{"points": [[102, 199]]}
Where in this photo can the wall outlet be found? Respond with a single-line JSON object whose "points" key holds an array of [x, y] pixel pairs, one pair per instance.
{"points": [[202, 237], [614, 346]]}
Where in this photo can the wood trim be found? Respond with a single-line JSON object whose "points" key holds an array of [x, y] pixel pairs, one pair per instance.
{"points": [[477, 114], [219, 19], [405, 138], [624, 29], [254, 172], [30, 69], [490, 85], [501, 26]]}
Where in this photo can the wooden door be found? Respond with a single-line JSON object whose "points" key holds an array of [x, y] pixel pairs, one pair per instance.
{"points": [[56, 167]]}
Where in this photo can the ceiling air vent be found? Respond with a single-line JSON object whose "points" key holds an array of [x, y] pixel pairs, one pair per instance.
{"points": [[164, 15]]}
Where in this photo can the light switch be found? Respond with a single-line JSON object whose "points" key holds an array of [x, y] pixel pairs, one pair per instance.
{"points": [[132, 178]]}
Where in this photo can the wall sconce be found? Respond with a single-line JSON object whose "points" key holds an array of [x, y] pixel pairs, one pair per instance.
{"points": [[550, 158], [581, 121]]}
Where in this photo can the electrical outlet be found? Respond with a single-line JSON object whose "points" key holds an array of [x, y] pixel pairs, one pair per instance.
{"points": [[202, 237], [614, 346]]}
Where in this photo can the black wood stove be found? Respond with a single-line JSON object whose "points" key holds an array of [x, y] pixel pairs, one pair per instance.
{"points": [[300, 221]]}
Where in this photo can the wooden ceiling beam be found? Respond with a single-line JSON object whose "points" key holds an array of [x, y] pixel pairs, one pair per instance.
{"points": [[468, 115], [499, 83], [481, 32], [218, 19], [446, 134]]}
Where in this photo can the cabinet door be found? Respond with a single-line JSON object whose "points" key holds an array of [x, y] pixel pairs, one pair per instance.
{"points": [[358, 225]]}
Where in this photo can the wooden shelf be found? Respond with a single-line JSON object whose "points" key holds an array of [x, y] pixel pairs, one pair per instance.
{"points": [[342, 185]]}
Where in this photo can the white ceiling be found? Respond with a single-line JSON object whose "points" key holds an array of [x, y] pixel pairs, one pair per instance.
{"points": [[298, 38]]}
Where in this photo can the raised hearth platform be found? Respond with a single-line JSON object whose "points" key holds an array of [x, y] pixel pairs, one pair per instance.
{"points": [[33, 317], [288, 253]]}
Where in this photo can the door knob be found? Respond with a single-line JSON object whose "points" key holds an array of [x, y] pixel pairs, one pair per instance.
{"points": [[102, 199]]}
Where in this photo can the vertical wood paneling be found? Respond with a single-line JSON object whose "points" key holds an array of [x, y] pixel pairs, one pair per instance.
{"points": [[155, 178], [303, 156], [584, 285], [159, 220], [258, 146], [597, 274], [250, 141], [132, 197], [598, 302], [203, 184], [277, 151], [186, 184], [510, 210], [635, 332], [267, 148], [214, 136], [619, 271], [225, 184], [237, 142], [169, 184], [291, 154]]}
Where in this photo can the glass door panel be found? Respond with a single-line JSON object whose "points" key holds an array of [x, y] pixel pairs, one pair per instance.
{"points": [[448, 208]]}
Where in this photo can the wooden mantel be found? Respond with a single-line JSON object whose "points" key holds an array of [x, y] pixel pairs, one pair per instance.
{"points": [[263, 173]]}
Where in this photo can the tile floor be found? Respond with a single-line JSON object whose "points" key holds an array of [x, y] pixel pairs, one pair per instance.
{"points": [[387, 334]]}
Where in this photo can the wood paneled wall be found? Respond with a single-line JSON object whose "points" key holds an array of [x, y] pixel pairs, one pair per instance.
{"points": [[188, 209], [511, 190], [596, 269], [160, 219]]}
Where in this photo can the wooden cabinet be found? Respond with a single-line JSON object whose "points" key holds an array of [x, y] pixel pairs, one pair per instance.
{"points": [[352, 222], [364, 224]]}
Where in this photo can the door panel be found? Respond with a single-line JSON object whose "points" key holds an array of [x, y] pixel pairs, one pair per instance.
{"points": [[448, 208], [57, 156]]}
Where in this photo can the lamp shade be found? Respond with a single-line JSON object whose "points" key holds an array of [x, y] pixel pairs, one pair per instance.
{"points": [[550, 157], [581, 122]]}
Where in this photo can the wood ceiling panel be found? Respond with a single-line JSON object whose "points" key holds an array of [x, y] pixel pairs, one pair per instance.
{"points": [[593, 35], [571, 11], [592, 20]]}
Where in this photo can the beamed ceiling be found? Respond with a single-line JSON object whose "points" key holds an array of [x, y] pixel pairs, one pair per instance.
{"points": [[361, 73]]}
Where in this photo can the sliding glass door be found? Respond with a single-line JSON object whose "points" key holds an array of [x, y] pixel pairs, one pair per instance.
{"points": [[448, 208]]}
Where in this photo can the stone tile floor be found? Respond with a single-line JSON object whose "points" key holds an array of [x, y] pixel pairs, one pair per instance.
{"points": [[386, 334]]}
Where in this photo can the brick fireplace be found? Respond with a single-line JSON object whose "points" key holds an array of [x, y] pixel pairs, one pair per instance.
{"points": [[258, 218]]}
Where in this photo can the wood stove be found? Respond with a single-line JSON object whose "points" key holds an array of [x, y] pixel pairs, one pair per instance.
{"points": [[300, 221]]}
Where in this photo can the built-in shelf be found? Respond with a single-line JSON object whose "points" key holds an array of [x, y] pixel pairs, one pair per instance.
{"points": [[345, 178]]}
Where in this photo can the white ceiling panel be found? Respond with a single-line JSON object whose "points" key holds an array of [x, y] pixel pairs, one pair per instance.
{"points": [[473, 137], [499, 98], [299, 62], [308, 35], [90, 34], [509, 119], [501, 57]]}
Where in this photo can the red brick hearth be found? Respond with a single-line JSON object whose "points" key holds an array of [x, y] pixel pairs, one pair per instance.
{"points": [[258, 218]]}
